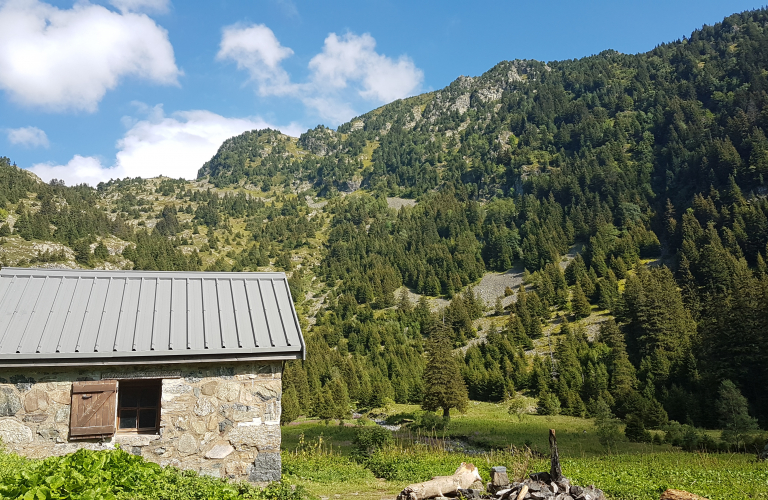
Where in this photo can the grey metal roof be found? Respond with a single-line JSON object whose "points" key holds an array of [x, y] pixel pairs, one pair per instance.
{"points": [[83, 317]]}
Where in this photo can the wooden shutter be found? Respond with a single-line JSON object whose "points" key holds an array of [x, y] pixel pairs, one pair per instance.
{"points": [[92, 414]]}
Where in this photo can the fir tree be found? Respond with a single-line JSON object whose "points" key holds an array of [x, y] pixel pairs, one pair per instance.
{"points": [[733, 414], [289, 406], [579, 303], [444, 386], [101, 252]]}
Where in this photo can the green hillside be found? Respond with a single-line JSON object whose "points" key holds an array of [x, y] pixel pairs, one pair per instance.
{"points": [[591, 233]]}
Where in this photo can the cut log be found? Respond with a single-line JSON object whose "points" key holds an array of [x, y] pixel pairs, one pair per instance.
{"points": [[680, 495], [523, 492], [440, 486]]}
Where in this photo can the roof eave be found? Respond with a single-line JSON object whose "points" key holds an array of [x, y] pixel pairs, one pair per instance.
{"points": [[146, 361]]}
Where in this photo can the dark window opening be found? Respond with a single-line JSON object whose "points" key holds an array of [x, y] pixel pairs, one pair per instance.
{"points": [[138, 406]]}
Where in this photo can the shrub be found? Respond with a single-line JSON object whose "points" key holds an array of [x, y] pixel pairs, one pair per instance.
{"points": [[400, 418], [117, 475], [607, 425], [688, 437], [635, 430], [518, 406], [410, 466], [370, 439], [428, 421], [324, 468], [547, 404]]}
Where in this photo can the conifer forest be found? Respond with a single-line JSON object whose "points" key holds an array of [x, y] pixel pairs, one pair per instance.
{"points": [[617, 203]]}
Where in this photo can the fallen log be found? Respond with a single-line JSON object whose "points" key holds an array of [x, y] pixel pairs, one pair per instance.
{"points": [[440, 486], [671, 494]]}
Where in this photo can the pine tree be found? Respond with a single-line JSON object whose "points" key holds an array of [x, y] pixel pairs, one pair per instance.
{"points": [[733, 413], [579, 303], [607, 425], [341, 402], [635, 430], [444, 386], [290, 406], [547, 403], [83, 253], [101, 252]]}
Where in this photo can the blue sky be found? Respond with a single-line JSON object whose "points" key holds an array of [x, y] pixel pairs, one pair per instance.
{"points": [[115, 88]]}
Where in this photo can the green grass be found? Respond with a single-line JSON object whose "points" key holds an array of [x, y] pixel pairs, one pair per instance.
{"points": [[320, 458], [621, 476], [489, 426]]}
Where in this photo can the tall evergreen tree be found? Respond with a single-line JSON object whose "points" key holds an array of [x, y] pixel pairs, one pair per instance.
{"points": [[733, 414], [444, 386], [579, 303]]}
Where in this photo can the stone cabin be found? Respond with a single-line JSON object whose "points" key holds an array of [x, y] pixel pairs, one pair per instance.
{"points": [[181, 368]]}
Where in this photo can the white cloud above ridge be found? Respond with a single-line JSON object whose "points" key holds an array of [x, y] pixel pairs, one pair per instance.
{"points": [[354, 58], [67, 59], [174, 146], [348, 67], [151, 6], [31, 137], [256, 49]]}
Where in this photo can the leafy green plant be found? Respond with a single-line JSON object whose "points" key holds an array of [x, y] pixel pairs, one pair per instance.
{"points": [[428, 421], [370, 439], [118, 475]]}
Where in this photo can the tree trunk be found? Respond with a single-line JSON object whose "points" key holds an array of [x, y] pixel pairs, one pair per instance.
{"points": [[442, 485], [446, 413], [555, 471]]}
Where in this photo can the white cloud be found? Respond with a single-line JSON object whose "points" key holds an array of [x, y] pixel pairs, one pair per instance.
{"points": [[79, 170], [288, 7], [347, 68], [153, 6], [63, 59], [31, 137], [351, 58], [255, 48], [174, 146]]}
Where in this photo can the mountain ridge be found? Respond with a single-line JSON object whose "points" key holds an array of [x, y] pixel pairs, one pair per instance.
{"points": [[653, 164]]}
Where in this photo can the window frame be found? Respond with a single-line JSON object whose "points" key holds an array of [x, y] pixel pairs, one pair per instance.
{"points": [[123, 385]]}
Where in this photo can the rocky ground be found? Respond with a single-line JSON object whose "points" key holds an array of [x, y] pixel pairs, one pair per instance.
{"points": [[398, 203], [538, 486]]}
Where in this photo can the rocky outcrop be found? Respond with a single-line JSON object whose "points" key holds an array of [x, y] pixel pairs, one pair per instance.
{"points": [[321, 140], [540, 486]]}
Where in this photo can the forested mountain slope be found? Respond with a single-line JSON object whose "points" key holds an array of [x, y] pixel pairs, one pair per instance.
{"points": [[656, 163]]}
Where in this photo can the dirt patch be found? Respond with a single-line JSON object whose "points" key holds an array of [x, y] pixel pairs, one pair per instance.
{"points": [[484, 326], [492, 286], [315, 204], [572, 253], [435, 303], [398, 203]]}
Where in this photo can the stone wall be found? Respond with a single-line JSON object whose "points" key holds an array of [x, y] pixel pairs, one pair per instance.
{"points": [[221, 420]]}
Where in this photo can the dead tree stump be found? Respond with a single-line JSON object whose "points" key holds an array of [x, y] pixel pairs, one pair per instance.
{"points": [[555, 472]]}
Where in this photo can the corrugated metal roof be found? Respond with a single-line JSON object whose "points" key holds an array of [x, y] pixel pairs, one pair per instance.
{"points": [[123, 317]]}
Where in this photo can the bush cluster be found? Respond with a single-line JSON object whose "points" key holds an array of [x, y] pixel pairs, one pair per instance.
{"points": [[118, 475]]}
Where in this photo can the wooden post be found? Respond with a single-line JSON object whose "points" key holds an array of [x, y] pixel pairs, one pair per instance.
{"points": [[555, 472]]}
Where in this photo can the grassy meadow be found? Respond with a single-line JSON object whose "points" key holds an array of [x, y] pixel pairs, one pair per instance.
{"points": [[321, 458]]}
